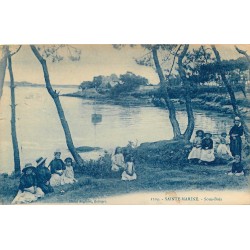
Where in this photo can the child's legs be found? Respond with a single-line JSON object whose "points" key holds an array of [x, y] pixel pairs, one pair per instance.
{"points": [[239, 168], [234, 169]]}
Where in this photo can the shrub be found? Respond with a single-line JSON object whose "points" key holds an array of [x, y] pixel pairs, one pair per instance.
{"points": [[219, 98], [97, 168], [225, 102]]}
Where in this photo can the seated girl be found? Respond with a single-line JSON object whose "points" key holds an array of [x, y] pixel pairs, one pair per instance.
{"points": [[207, 150], [57, 168], [68, 174], [195, 153], [117, 160], [129, 172], [237, 166], [28, 190], [223, 151]]}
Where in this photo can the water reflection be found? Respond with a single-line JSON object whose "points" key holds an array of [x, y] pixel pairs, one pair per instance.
{"points": [[39, 129]]}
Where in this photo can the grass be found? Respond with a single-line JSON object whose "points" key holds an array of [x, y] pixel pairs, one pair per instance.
{"points": [[152, 175], [191, 177]]}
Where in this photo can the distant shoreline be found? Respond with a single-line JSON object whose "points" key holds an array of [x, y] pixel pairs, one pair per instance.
{"points": [[40, 85], [198, 104]]}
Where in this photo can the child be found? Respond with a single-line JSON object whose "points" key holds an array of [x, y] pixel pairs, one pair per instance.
{"points": [[68, 175], [117, 160], [129, 172], [207, 151], [196, 150], [235, 137], [237, 166], [56, 168], [223, 151], [28, 190], [43, 176]]}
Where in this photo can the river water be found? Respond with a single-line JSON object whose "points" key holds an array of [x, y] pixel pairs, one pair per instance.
{"points": [[39, 130]]}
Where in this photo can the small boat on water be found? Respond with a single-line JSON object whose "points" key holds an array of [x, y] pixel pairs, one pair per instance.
{"points": [[96, 118]]}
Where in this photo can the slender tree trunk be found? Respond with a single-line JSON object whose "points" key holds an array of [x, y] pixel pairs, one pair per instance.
{"points": [[231, 94], [190, 127], [17, 165], [59, 108], [3, 64], [169, 103]]}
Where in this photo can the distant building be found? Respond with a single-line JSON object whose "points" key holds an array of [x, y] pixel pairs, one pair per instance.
{"points": [[108, 82]]}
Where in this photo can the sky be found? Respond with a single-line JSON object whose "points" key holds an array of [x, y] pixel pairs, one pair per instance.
{"points": [[95, 60]]}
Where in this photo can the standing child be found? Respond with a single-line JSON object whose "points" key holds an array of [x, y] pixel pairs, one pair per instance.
{"points": [[68, 174], [235, 137], [223, 151], [207, 150], [117, 160], [129, 172], [237, 166], [56, 168], [195, 154]]}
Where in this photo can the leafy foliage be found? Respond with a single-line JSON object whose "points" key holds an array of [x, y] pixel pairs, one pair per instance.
{"points": [[166, 53], [52, 52], [130, 82]]}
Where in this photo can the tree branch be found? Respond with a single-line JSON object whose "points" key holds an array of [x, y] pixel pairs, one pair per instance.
{"points": [[243, 52], [173, 61], [12, 54], [36, 53]]}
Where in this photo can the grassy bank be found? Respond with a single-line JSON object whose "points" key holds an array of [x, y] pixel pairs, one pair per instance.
{"points": [[160, 166]]}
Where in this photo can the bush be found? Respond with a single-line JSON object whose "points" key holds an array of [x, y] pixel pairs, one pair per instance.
{"points": [[225, 102], [174, 153], [97, 168], [219, 98], [130, 82]]}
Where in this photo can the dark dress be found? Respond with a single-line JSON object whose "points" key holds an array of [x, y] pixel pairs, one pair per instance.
{"points": [[237, 167], [207, 143], [55, 165], [43, 176], [236, 144], [27, 181]]}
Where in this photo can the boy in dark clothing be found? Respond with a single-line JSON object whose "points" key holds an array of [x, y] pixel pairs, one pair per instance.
{"points": [[237, 166], [43, 176]]}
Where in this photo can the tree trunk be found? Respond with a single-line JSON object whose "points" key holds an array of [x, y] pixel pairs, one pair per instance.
{"points": [[231, 94], [190, 127], [169, 103], [17, 165], [59, 108], [3, 64], [248, 59]]}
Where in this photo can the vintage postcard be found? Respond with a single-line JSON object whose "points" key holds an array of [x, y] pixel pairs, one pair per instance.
{"points": [[158, 124]]}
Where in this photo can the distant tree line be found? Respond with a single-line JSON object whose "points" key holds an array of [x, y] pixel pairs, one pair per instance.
{"points": [[115, 86]]}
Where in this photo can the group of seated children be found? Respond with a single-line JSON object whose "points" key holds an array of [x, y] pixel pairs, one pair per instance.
{"points": [[37, 181], [203, 148], [127, 169]]}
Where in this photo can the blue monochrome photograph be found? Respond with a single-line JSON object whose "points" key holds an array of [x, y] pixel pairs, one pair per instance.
{"points": [[130, 124]]}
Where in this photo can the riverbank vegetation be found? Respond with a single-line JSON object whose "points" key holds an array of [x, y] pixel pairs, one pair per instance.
{"points": [[160, 166]]}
